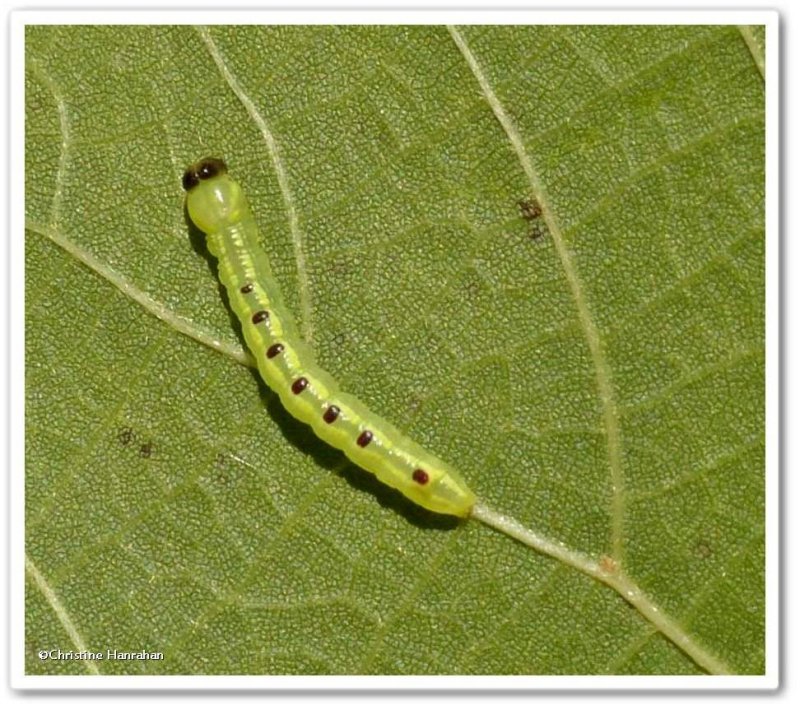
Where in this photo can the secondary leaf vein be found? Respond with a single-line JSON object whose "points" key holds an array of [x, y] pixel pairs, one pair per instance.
{"points": [[281, 174], [591, 333], [60, 611], [159, 310]]}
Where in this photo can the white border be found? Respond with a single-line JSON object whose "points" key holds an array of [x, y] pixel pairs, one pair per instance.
{"points": [[18, 21], [391, 16]]}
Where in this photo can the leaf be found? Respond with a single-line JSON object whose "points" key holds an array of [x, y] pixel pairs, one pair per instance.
{"points": [[596, 372]]}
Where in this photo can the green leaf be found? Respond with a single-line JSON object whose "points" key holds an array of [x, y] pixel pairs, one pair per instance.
{"points": [[596, 372]]}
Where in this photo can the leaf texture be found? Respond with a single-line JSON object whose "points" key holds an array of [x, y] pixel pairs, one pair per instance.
{"points": [[597, 371]]}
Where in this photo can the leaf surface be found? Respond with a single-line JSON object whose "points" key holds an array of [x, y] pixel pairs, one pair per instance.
{"points": [[596, 372]]}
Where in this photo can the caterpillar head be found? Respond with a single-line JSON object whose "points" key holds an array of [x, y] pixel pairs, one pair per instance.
{"points": [[214, 200]]}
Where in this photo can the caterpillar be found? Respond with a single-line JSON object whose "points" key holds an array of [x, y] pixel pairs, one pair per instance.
{"points": [[217, 205]]}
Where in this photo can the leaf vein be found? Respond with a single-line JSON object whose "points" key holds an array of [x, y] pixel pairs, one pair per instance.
{"points": [[281, 173], [60, 611], [591, 332]]}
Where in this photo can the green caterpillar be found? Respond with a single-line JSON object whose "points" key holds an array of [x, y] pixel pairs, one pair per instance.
{"points": [[217, 206]]}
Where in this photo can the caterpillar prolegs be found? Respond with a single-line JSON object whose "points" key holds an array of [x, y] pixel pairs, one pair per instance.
{"points": [[217, 206]]}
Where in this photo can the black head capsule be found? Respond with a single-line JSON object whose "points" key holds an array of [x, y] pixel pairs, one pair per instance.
{"points": [[203, 170]]}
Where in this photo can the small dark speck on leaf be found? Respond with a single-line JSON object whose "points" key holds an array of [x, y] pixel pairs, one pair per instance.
{"points": [[702, 549], [146, 450], [531, 211], [126, 435], [530, 208], [537, 233]]}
